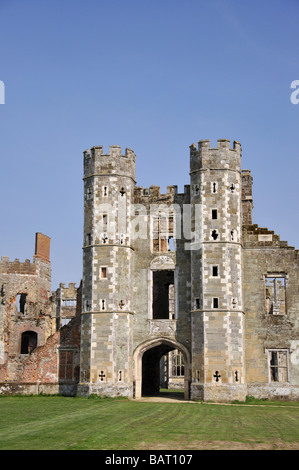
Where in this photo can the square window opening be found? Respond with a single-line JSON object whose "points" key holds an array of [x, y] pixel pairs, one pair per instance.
{"points": [[215, 271]]}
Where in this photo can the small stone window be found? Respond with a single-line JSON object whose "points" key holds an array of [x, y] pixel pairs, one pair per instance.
{"points": [[105, 191], [214, 234], [88, 239], [214, 187], [215, 302], [103, 272], [278, 365], [197, 303], [214, 214], [215, 271], [88, 193]]}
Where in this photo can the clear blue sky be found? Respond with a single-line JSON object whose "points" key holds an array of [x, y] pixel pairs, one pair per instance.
{"points": [[152, 75]]}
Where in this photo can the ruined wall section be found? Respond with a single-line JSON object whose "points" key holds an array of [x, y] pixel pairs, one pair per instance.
{"points": [[267, 259], [25, 305], [26, 310], [247, 199], [64, 304], [50, 368]]}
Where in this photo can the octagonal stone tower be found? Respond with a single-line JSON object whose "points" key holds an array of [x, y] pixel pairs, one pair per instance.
{"points": [[109, 181], [216, 273]]}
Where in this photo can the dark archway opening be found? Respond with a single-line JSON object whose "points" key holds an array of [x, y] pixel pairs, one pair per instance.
{"points": [[153, 376], [28, 342]]}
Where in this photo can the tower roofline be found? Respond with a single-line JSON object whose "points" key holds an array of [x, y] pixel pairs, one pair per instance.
{"points": [[221, 143]]}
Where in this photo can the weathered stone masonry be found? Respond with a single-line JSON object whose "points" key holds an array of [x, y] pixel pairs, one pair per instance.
{"points": [[222, 275], [187, 273]]}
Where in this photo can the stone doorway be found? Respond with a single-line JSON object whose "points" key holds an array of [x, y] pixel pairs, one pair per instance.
{"points": [[147, 366]]}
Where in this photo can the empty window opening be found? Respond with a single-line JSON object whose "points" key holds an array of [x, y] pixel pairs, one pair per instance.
{"points": [[163, 295], [278, 366], [28, 342], [103, 272], [103, 305], [89, 193], [171, 246], [215, 271], [196, 189], [215, 302], [214, 214], [88, 239], [163, 232], [105, 191], [214, 234], [21, 302], [69, 302], [275, 295], [197, 303]]}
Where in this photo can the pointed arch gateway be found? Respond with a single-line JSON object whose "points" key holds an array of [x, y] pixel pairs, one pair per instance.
{"points": [[146, 365]]}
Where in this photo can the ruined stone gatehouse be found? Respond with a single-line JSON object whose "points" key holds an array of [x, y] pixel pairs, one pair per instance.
{"points": [[183, 281]]}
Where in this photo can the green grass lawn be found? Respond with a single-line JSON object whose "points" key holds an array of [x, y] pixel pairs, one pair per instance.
{"points": [[58, 423]]}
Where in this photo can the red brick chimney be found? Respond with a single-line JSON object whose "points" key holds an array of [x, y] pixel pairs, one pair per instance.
{"points": [[42, 247]]}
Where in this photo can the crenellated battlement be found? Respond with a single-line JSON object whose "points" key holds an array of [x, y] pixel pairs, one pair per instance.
{"points": [[221, 144], [153, 194], [9, 267], [98, 163], [114, 151], [224, 156]]}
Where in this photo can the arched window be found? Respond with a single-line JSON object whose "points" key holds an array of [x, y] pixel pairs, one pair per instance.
{"points": [[28, 342]]}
